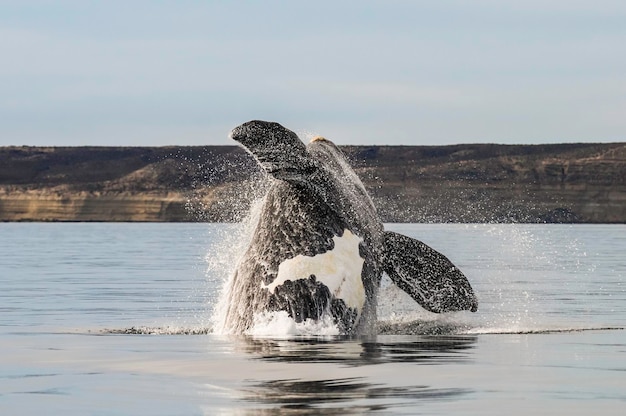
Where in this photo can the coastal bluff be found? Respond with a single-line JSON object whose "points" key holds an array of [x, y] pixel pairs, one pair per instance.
{"points": [[552, 183]]}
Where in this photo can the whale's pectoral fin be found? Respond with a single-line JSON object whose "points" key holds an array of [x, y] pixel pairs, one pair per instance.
{"points": [[427, 275], [278, 150]]}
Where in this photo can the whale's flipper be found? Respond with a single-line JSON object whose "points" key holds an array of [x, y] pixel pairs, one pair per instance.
{"points": [[278, 150], [427, 275]]}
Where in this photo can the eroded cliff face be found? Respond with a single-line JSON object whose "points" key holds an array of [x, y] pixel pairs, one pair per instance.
{"points": [[55, 205], [463, 183]]}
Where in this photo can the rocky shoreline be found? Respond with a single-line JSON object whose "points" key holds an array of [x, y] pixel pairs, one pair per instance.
{"points": [[581, 183]]}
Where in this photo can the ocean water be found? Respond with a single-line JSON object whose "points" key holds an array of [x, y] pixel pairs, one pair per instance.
{"points": [[116, 319]]}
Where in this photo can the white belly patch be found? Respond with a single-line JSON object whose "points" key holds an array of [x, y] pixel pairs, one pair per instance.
{"points": [[339, 269]]}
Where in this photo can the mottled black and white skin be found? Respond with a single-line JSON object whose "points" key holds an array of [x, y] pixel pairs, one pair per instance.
{"points": [[319, 249]]}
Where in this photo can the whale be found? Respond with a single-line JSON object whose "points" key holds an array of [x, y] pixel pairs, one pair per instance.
{"points": [[319, 249]]}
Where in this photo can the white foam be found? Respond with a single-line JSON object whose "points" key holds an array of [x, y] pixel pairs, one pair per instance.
{"points": [[339, 269], [280, 324]]}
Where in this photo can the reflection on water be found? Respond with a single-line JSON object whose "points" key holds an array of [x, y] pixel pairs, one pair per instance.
{"points": [[348, 395], [339, 396], [365, 351]]}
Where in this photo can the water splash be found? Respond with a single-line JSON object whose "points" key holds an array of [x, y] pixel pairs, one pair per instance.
{"points": [[222, 262], [165, 330]]}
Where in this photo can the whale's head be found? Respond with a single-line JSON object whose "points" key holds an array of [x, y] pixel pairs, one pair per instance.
{"points": [[279, 151]]}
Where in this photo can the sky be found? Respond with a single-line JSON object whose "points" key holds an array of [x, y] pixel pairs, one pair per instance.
{"points": [[388, 72]]}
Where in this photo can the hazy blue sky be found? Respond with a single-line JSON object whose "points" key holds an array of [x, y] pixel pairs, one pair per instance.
{"points": [[79, 72]]}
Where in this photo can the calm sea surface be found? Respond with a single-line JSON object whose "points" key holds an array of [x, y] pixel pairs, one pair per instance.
{"points": [[115, 319]]}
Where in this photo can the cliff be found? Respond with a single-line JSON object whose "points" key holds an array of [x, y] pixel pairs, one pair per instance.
{"points": [[461, 183]]}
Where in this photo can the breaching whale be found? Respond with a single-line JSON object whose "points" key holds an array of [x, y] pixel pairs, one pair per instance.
{"points": [[319, 249]]}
